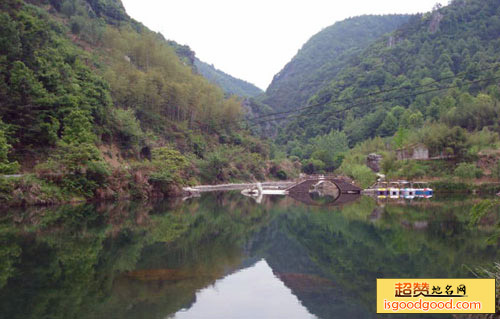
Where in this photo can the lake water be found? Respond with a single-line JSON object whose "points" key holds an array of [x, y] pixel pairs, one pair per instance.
{"points": [[226, 256]]}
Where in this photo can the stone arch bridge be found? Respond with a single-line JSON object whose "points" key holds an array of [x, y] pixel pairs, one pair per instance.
{"points": [[346, 192]]}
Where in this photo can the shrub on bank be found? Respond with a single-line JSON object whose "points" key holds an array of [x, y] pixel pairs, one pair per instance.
{"points": [[313, 165], [6, 189], [167, 168], [6, 167], [363, 175], [30, 190], [231, 164], [284, 169], [127, 128], [450, 186], [468, 171]]}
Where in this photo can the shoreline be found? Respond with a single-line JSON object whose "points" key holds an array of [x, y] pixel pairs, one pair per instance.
{"points": [[32, 198]]}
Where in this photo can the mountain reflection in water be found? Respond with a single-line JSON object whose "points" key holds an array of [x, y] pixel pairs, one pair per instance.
{"points": [[225, 256], [264, 296]]}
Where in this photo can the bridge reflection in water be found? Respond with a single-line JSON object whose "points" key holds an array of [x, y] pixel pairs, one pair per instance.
{"points": [[317, 191], [324, 191]]}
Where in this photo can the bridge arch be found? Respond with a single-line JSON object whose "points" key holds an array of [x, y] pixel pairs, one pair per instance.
{"points": [[346, 191]]}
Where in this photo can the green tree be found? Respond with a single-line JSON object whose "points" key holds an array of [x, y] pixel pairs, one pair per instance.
{"points": [[329, 149], [128, 129], [10, 43], [6, 167], [78, 128], [212, 168], [400, 137], [467, 171], [440, 138], [313, 166], [168, 165], [412, 119], [389, 125]]}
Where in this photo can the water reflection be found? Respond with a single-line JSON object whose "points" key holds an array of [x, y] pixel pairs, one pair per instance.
{"points": [[225, 256], [254, 292], [324, 192]]}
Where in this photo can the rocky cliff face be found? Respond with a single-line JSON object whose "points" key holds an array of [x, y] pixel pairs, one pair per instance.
{"points": [[435, 21], [373, 161]]}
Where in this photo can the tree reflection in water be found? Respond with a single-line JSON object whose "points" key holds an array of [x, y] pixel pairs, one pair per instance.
{"points": [[148, 260]]}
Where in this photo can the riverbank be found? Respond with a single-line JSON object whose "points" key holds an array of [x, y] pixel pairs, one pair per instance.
{"points": [[28, 190], [31, 190], [464, 187]]}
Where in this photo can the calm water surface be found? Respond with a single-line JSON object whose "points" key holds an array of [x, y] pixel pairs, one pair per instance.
{"points": [[226, 256]]}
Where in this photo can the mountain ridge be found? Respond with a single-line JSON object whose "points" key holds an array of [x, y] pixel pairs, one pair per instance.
{"points": [[94, 105], [407, 57], [323, 55], [230, 84]]}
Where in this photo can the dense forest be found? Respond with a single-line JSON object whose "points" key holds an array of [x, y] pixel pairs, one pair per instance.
{"points": [[95, 105], [228, 83], [92, 103], [432, 81], [314, 65], [455, 43]]}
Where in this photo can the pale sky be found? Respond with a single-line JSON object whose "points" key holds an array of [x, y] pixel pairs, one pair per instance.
{"points": [[253, 40]]}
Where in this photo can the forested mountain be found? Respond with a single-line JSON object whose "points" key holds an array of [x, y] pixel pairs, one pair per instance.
{"points": [[228, 83], [459, 43], [96, 104], [435, 80], [323, 56]]}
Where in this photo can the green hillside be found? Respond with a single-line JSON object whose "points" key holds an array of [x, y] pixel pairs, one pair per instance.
{"points": [[93, 104], [462, 37], [432, 81], [323, 56], [228, 83]]}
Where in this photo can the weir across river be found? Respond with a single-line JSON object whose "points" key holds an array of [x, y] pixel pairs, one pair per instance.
{"points": [[338, 190]]}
